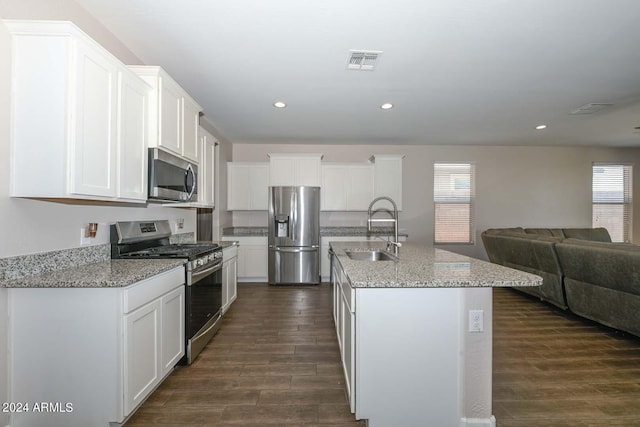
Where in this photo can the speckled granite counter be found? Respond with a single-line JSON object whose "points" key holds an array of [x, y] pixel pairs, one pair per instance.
{"points": [[421, 266], [324, 231], [244, 231], [105, 274]]}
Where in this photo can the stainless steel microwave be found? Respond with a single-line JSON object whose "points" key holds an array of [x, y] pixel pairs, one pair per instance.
{"points": [[171, 178]]}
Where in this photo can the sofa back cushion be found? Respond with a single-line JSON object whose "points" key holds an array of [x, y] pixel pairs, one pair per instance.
{"points": [[516, 252], [508, 231], [553, 232], [599, 234], [544, 248]]}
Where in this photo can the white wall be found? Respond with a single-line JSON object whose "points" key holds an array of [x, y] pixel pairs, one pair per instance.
{"points": [[515, 186]]}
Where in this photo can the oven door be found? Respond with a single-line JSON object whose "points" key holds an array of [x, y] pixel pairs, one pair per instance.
{"points": [[203, 307]]}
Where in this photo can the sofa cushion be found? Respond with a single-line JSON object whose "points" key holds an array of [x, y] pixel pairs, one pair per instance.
{"points": [[598, 234], [507, 231], [608, 266], [533, 253], [607, 306], [555, 232], [606, 245]]}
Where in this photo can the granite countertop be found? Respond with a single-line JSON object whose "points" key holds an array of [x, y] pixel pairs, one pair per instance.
{"points": [[222, 243], [106, 274], [244, 231], [421, 266], [324, 231], [227, 244]]}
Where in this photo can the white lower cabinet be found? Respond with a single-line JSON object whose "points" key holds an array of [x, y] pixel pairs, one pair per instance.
{"points": [[96, 352], [252, 258], [141, 354], [344, 316], [172, 331], [154, 343], [229, 276]]}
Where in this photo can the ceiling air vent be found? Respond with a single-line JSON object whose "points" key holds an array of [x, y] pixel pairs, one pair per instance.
{"points": [[591, 108], [363, 60]]}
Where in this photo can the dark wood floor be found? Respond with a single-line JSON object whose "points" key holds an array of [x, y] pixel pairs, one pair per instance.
{"points": [[554, 369], [275, 363]]}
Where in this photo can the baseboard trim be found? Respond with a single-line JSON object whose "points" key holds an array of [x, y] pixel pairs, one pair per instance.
{"points": [[478, 422]]}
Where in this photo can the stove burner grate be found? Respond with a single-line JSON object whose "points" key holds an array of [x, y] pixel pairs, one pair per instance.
{"points": [[175, 250]]}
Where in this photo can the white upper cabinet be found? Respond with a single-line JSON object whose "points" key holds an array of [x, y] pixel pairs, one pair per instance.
{"points": [[206, 172], [387, 178], [132, 136], [247, 186], [346, 186], [70, 129], [191, 123], [295, 169], [169, 108], [94, 151], [173, 114]]}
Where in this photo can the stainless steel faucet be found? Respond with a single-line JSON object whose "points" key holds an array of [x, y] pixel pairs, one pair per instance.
{"points": [[396, 243]]}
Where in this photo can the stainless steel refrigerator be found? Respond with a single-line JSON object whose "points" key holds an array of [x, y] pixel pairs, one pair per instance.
{"points": [[294, 235]]}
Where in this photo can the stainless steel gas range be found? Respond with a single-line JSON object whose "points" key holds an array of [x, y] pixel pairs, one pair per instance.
{"points": [[203, 270]]}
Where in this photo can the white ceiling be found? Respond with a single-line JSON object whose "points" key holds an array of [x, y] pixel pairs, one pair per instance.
{"points": [[457, 71]]}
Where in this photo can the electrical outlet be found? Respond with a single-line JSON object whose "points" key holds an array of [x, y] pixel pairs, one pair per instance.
{"points": [[84, 239], [476, 320], [102, 236]]}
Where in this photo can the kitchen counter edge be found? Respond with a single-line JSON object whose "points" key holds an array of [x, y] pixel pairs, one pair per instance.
{"points": [[421, 266]]}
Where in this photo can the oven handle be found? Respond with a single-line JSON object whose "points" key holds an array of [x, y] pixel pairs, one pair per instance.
{"points": [[197, 275], [213, 325]]}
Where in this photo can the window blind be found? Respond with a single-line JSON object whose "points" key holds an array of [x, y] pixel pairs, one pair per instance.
{"points": [[453, 196], [612, 199]]}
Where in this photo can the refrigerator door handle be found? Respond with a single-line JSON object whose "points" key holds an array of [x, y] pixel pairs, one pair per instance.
{"points": [[294, 214], [305, 249]]}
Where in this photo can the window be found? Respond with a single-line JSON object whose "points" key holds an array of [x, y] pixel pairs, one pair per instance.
{"points": [[453, 197], [612, 204]]}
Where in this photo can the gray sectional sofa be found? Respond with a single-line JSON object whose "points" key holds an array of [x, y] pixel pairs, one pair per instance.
{"points": [[581, 269]]}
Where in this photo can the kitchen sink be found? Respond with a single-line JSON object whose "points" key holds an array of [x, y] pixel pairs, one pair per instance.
{"points": [[370, 256]]}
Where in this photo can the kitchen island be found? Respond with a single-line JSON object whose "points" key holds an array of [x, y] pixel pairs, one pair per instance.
{"points": [[415, 334]]}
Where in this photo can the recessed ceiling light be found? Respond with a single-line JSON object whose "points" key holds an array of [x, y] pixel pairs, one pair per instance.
{"points": [[540, 127], [386, 106], [279, 104]]}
